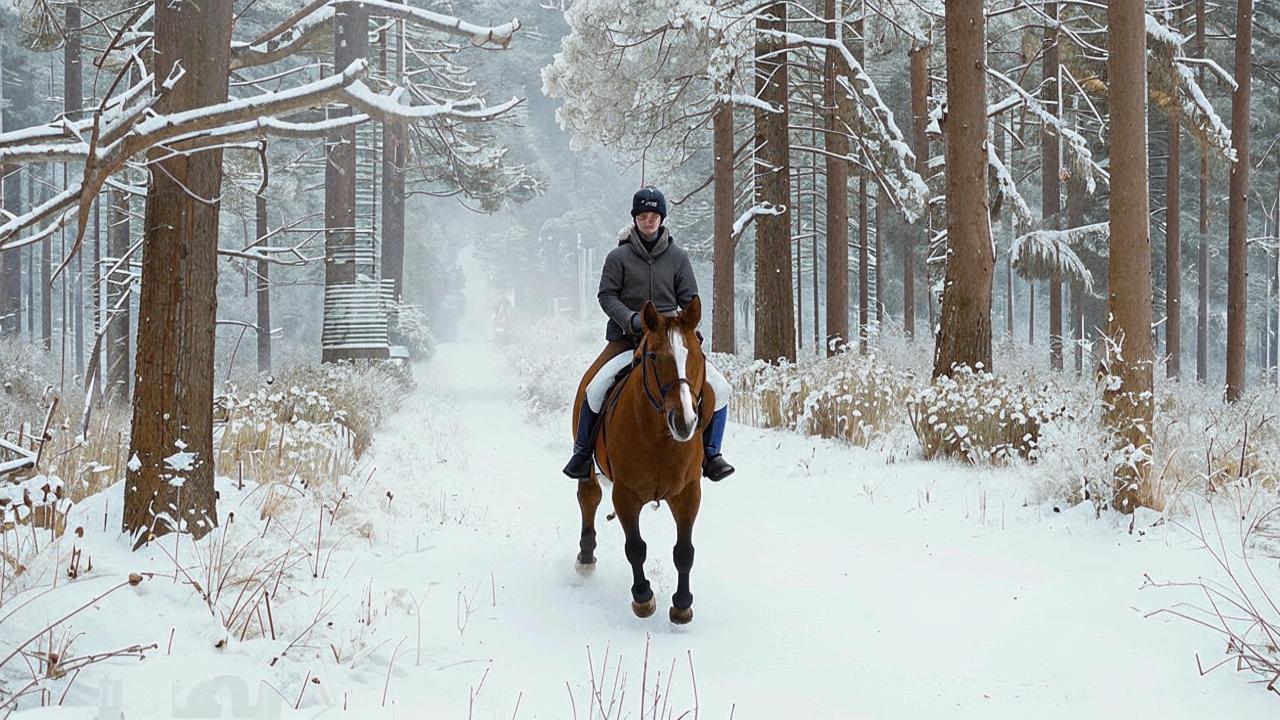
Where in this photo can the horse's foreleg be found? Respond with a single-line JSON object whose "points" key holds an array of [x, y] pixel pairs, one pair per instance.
{"points": [[684, 509], [627, 506], [588, 500]]}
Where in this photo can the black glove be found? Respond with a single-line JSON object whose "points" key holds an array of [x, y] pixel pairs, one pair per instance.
{"points": [[636, 326]]}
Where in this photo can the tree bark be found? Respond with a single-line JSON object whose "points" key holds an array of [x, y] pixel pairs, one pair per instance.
{"points": [[351, 42], [1202, 257], [837, 196], [166, 491], [11, 92], [1075, 219], [73, 102], [394, 158], [775, 331], [1238, 212], [880, 205], [722, 282], [263, 286], [964, 329], [1127, 393], [1051, 190], [920, 145], [1173, 248], [117, 339], [864, 269], [11, 271]]}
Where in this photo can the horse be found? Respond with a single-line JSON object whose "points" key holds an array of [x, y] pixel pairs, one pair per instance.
{"points": [[649, 444]]}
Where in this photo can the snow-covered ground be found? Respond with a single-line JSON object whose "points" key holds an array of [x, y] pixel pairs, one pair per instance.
{"points": [[828, 584]]}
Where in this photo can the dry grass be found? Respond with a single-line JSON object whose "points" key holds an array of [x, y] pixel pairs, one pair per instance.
{"points": [[848, 397]]}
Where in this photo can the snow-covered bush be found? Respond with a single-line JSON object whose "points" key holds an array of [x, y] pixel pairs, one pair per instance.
{"points": [[980, 417], [850, 397], [352, 396], [413, 330]]}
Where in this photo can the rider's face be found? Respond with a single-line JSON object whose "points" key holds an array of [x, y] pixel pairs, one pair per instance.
{"points": [[648, 222]]}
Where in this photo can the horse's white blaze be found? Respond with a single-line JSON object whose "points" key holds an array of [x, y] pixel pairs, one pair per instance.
{"points": [[681, 351]]}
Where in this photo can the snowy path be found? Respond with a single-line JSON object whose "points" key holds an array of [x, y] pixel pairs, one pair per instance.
{"points": [[827, 584]]}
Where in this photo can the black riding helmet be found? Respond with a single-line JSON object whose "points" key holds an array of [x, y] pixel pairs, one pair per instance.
{"points": [[649, 199]]}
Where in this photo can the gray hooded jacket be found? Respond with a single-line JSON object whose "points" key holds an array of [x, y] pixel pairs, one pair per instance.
{"points": [[632, 274]]}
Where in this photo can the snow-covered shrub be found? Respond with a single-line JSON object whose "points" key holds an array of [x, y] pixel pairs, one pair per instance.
{"points": [[850, 397], [980, 417], [350, 399], [413, 330]]}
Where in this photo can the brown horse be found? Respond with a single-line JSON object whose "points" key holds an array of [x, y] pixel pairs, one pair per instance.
{"points": [[649, 444]]}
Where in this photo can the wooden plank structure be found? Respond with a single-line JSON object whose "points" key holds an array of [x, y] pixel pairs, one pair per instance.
{"points": [[15, 458], [357, 318]]}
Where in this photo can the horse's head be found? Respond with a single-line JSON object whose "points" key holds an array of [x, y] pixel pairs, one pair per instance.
{"points": [[674, 367]]}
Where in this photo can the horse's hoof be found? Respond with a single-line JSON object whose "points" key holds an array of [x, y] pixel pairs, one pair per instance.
{"points": [[585, 569], [681, 616], [645, 609]]}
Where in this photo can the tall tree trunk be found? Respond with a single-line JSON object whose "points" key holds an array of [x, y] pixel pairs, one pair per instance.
{"points": [[880, 204], [119, 357], [394, 157], [10, 261], [1238, 213], [775, 333], [837, 196], [1051, 190], [722, 317], [964, 330], [1031, 312], [11, 271], [1173, 248], [1202, 256], [920, 145], [864, 237], [1004, 145], [1129, 358], [263, 285], [351, 42], [73, 102], [169, 486], [864, 269], [46, 293], [1075, 219]]}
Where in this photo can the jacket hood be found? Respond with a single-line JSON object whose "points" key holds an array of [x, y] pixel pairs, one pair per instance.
{"points": [[631, 236]]}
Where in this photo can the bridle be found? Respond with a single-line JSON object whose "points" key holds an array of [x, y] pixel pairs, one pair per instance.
{"points": [[647, 359]]}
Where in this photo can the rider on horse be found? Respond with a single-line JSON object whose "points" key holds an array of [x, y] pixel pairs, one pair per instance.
{"points": [[646, 266]]}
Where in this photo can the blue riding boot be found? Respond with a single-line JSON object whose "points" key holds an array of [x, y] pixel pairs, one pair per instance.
{"points": [[714, 467], [579, 466]]}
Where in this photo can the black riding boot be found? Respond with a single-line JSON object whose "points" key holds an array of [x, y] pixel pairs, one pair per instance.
{"points": [[714, 466], [579, 466]]}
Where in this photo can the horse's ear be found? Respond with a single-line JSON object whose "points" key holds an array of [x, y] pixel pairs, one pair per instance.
{"points": [[693, 314], [649, 315]]}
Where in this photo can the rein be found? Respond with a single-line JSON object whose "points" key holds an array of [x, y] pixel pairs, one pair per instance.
{"points": [[649, 359]]}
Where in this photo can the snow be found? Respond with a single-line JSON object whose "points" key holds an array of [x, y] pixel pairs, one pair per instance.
{"points": [[828, 584]]}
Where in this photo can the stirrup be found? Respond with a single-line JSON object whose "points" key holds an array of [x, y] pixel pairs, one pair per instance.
{"points": [[715, 468], [579, 466]]}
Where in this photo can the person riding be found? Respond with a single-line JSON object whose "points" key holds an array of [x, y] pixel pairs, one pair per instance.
{"points": [[646, 265]]}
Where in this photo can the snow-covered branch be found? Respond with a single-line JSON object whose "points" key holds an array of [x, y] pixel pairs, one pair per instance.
{"points": [[1075, 142], [1042, 254], [314, 20], [752, 213], [1008, 188], [885, 144], [1170, 68]]}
